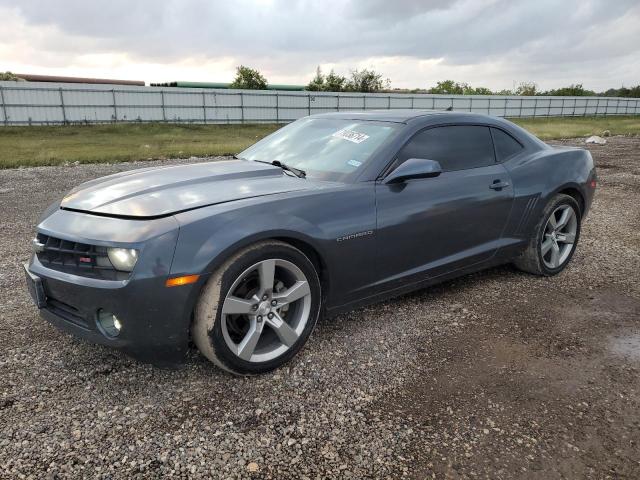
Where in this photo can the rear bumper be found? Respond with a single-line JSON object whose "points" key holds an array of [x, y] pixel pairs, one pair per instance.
{"points": [[155, 319]]}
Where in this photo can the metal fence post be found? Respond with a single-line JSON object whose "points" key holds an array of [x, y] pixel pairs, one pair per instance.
{"points": [[241, 107], [364, 102], [277, 108], [215, 107], [489, 107], [164, 114], [204, 108], [389, 103], [309, 102], [338, 103], [64, 112], [471, 103], [520, 114], [115, 107], [4, 106], [505, 106], [412, 99]]}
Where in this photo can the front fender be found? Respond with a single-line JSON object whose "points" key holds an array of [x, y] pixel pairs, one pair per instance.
{"points": [[204, 244]]}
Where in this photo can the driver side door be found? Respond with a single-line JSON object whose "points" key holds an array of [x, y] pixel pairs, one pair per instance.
{"points": [[427, 227]]}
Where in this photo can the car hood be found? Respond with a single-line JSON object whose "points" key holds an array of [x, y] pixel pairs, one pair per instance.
{"points": [[161, 191]]}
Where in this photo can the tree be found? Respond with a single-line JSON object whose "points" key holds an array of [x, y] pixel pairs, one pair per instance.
{"points": [[448, 87], [576, 90], [8, 76], [366, 81], [482, 91], [634, 92], [334, 82], [526, 89], [248, 79], [317, 83]]}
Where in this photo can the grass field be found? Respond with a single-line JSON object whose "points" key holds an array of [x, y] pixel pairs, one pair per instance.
{"points": [[55, 145], [573, 127], [31, 146]]}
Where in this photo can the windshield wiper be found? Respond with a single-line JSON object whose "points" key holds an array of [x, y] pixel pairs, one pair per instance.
{"points": [[277, 163]]}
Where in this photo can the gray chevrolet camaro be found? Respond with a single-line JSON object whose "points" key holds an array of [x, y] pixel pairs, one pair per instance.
{"points": [[330, 212]]}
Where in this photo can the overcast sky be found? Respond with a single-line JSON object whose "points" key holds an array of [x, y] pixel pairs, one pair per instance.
{"points": [[492, 43]]}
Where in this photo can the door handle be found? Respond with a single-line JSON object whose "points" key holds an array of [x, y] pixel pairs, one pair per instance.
{"points": [[498, 185]]}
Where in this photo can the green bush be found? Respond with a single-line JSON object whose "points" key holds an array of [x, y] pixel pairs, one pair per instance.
{"points": [[361, 81], [248, 79], [8, 76]]}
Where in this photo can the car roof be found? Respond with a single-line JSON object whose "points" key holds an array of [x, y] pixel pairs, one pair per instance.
{"points": [[402, 115], [398, 115]]}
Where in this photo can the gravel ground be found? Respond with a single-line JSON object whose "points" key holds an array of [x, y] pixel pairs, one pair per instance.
{"points": [[495, 375]]}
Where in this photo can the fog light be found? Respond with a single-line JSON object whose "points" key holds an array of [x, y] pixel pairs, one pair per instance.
{"points": [[109, 324]]}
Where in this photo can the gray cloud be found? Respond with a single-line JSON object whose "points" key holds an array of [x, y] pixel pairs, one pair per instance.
{"points": [[549, 38]]}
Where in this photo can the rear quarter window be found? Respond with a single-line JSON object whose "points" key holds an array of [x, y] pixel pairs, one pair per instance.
{"points": [[506, 145]]}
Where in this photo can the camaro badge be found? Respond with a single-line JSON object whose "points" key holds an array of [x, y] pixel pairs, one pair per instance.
{"points": [[354, 235]]}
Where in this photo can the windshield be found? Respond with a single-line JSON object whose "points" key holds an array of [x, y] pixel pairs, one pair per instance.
{"points": [[325, 148]]}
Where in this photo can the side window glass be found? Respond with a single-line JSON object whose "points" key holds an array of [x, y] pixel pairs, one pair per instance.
{"points": [[457, 147], [506, 145]]}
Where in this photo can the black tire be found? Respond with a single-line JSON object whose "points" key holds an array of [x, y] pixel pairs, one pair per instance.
{"points": [[531, 260], [207, 330]]}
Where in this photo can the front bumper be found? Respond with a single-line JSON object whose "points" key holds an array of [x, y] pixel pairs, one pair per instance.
{"points": [[155, 319]]}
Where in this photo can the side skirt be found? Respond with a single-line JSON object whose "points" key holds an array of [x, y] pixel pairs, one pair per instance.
{"points": [[419, 285]]}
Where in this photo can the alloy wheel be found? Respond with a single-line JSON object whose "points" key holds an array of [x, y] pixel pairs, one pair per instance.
{"points": [[266, 310], [559, 236]]}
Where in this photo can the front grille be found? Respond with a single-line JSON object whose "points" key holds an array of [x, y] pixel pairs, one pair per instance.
{"points": [[77, 258]]}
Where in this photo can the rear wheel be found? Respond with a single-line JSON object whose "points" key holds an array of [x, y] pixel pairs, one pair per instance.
{"points": [[555, 240], [258, 309]]}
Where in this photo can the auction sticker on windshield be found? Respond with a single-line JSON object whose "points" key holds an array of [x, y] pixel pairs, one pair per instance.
{"points": [[351, 135]]}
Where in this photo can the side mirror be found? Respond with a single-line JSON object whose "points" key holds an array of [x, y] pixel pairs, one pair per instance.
{"points": [[414, 168]]}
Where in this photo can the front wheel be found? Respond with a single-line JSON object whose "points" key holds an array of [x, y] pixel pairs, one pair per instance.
{"points": [[555, 238], [258, 309]]}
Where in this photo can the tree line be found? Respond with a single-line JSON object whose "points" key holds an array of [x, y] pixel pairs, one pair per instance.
{"points": [[370, 81], [529, 89]]}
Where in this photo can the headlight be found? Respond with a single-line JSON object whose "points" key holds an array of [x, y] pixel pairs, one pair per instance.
{"points": [[123, 258]]}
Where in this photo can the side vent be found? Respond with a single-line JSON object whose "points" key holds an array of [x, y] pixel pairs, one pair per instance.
{"points": [[521, 229]]}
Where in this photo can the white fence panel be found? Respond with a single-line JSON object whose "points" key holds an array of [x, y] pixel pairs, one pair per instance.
{"points": [[25, 103]]}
